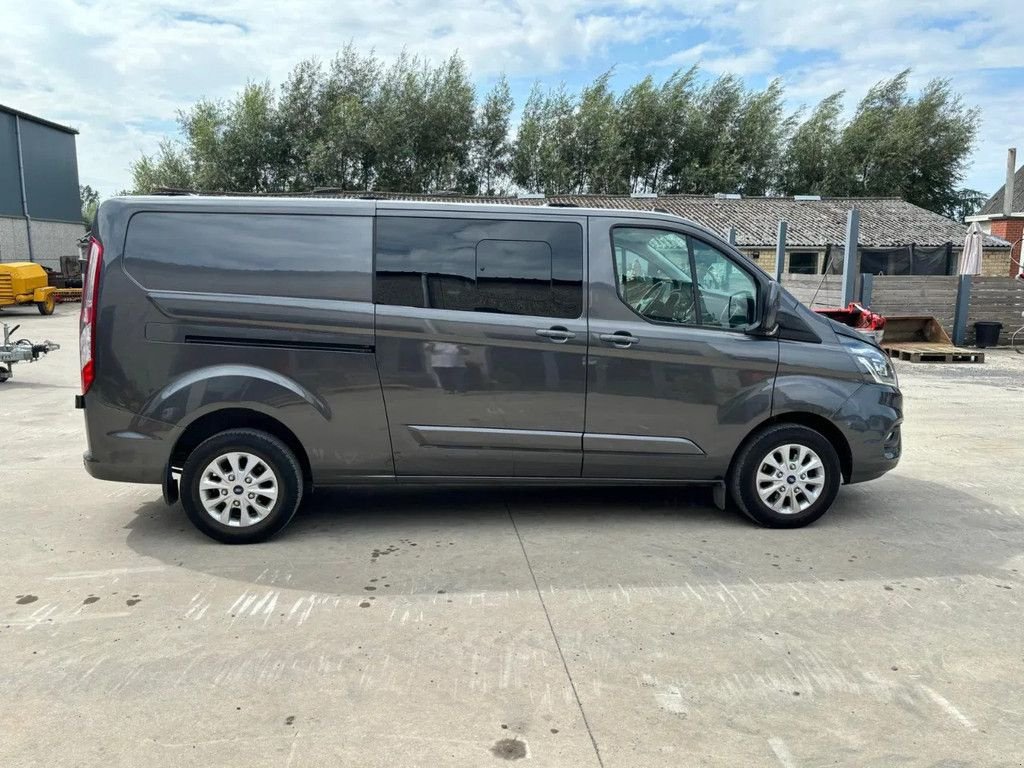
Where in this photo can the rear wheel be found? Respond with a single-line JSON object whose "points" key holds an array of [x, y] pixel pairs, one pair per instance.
{"points": [[241, 486], [46, 306], [786, 477]]}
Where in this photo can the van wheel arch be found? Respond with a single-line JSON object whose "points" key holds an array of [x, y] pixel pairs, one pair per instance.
{"points": [[212, 423], [819, 424]]}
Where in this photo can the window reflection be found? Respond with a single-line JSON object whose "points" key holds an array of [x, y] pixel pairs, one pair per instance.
{"points": [[655, 274], [506, 267]]}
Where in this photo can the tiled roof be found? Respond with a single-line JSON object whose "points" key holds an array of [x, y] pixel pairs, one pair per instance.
{"points": [[995, 203], [811, 223]]}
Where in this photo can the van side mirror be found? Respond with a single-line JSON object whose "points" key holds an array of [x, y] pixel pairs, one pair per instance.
{"points": [[769, 322]]}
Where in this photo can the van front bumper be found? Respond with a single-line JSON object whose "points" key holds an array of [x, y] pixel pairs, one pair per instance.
{"points": [[872, 422]]}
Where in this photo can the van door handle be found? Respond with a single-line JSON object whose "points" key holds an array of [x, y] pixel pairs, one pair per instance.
{"points": [[621, 339], [557, 334]]}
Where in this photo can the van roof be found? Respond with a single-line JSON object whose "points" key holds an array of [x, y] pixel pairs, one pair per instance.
{"points": [[310, 205]]}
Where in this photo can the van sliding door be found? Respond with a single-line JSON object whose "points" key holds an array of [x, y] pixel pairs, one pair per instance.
{"points": [[481, 337]]}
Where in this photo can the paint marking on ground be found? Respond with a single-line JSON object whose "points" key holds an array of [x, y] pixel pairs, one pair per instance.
{"points": [[782, 753], [102, 574], [952, 711]]}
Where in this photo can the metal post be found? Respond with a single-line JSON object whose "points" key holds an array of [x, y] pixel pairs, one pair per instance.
{"points": [[780, 250], [24, 196], [867, 283], [963, 303], [1011, 171], [850, 266]]}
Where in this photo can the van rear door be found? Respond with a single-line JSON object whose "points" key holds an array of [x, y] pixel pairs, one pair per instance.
{"points": [[481, 338]]}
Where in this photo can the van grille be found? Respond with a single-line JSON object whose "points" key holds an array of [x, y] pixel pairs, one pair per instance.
{"points": [[6, 288]]}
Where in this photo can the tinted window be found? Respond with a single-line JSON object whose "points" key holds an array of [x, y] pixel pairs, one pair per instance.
{"points": [[803, 263], [323, 257], [476, 265], [655, 270]]}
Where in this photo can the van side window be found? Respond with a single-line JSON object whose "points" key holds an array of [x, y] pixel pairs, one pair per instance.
{"points": [[653, 274], [655, 271], [728, 293], [291, 255], [478, 265]]}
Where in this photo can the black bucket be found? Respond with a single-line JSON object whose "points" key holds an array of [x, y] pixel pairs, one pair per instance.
{"points": [[987, 334]]}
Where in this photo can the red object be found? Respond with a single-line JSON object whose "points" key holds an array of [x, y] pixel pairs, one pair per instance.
{"points": [[87, 320], [855, 316]]}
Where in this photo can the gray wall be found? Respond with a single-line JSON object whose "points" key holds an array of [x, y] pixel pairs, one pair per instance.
{"points": [[10, 186], [51, 171], [50, 240], [13, 239]]}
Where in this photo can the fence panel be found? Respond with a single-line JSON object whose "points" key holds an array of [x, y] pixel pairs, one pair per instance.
{"points": [[916, 295], [825, 290], [999, 299]]}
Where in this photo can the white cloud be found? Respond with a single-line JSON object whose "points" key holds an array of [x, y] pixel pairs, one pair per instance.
{"points": [[820, 48], [120, 69], [718, 59]]}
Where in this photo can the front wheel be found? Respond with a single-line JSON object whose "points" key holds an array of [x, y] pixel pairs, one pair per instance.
{"points": [[241, 486], [47, 305], [786, 477]]}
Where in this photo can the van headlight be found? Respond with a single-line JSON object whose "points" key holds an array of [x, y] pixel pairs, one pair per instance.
{"points": [[872, 361]]}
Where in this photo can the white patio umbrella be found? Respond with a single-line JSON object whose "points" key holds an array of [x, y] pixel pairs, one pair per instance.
{"points": [[970, 257]]}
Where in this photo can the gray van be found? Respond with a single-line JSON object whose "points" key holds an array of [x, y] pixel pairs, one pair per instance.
{"points": [[241, 352]]}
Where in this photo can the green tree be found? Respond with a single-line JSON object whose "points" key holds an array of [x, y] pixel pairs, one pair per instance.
{"points": [[643, 139], [90, 204], [759, 140], [597, 159], [492, 150], [916, 149], [809, 162], [170, 168], [248, 152], [343, 153], [966, 202], [414, 126], [526, 164], [298, 126]]}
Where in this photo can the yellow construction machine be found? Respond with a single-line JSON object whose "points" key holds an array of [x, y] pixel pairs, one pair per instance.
{"points": [[22, 282]]}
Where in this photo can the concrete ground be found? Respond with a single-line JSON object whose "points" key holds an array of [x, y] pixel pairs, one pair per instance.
{"points": [[570, 628]]}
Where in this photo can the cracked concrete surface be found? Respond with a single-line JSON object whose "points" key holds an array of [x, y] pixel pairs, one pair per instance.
{"points": [[628, 627]]}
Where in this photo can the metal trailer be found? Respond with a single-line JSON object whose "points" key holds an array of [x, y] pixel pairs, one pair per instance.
{"points": [[20, 351]]}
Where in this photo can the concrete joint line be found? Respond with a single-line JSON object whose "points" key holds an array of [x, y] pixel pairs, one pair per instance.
{"points": [[558, 645]]}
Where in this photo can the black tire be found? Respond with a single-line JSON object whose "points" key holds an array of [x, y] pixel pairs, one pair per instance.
{"points": [[47, 306], [744, 477], [277, 456]]}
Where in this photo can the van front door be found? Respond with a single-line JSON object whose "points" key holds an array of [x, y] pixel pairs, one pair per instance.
{"points": [[674, 383], [481, 341]]}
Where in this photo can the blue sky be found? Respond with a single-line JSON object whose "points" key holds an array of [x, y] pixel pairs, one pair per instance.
{"points": [[118, 70]]}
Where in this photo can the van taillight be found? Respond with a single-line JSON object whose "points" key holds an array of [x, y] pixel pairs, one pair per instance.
{"points": [[87, 321]]}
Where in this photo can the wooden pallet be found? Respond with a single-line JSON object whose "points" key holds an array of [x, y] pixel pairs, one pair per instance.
{"points": [[924, 352]]}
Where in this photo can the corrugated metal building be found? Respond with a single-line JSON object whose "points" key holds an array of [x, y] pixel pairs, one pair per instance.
{"points": [[40, 209]]}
